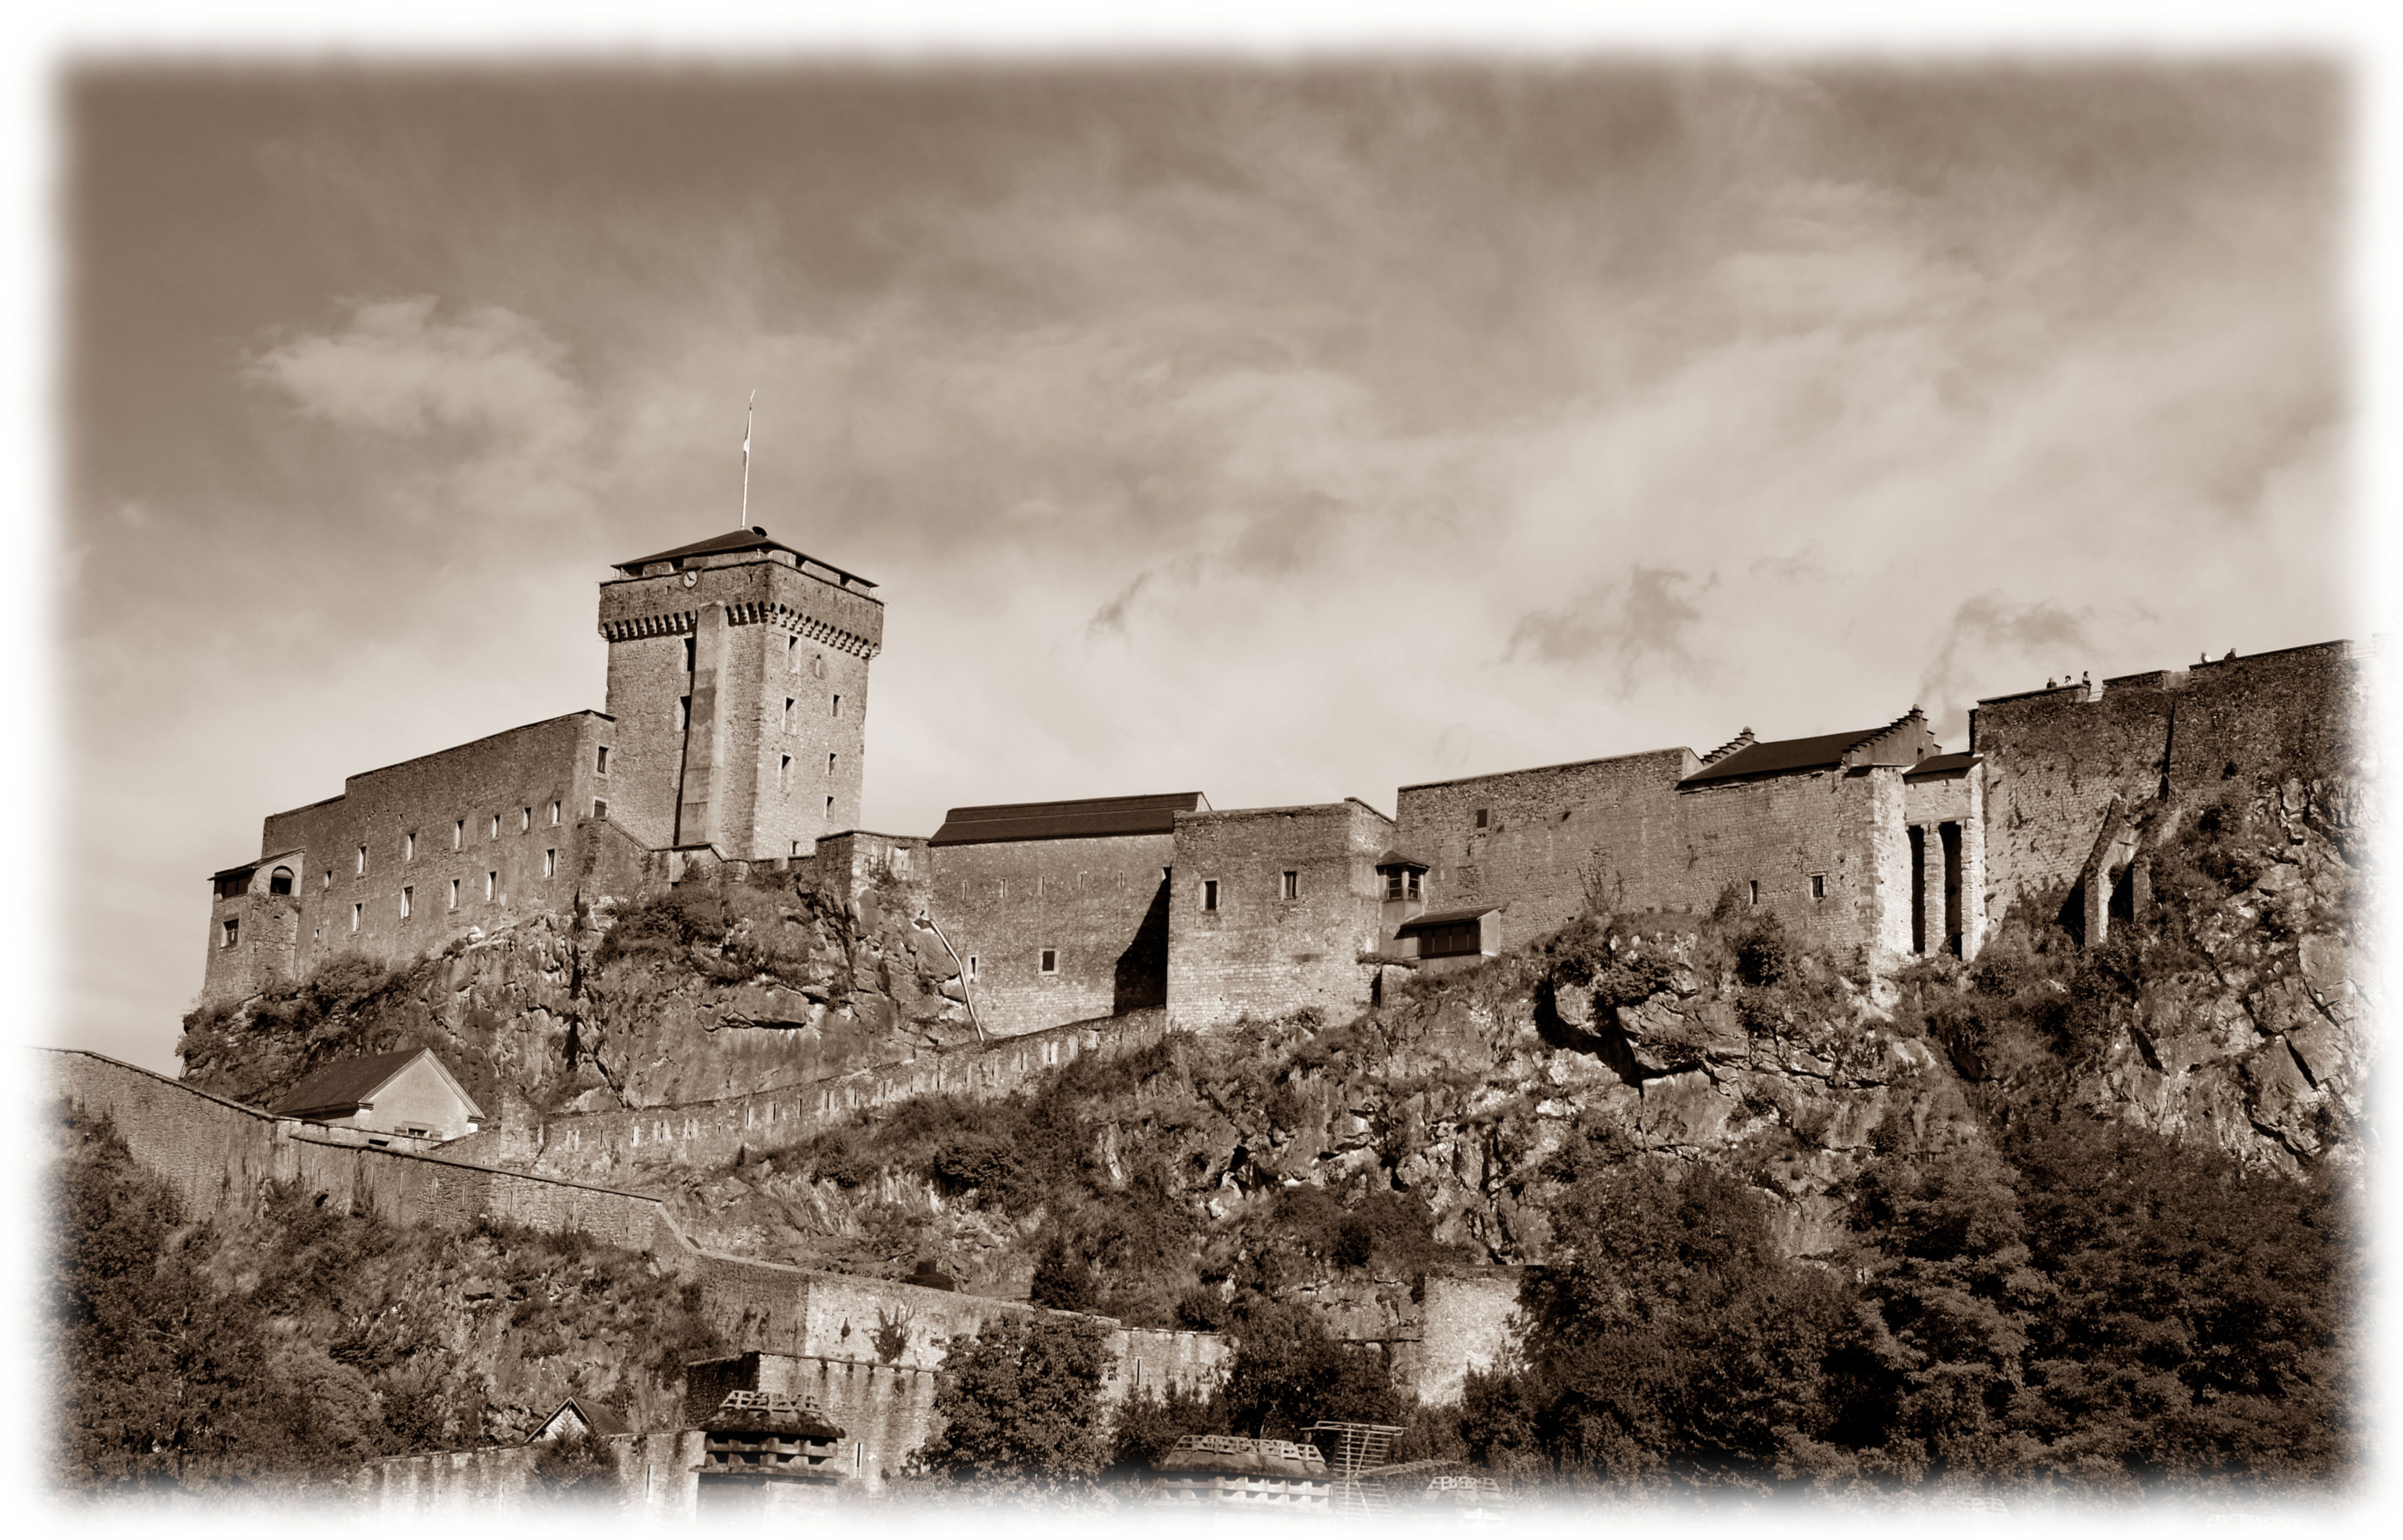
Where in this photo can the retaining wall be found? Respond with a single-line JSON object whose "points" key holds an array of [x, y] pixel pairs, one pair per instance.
{"points": [[594, 1145]]}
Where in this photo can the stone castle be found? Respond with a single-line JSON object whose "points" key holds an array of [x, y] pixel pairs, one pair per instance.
{"points": [[734, 734]]}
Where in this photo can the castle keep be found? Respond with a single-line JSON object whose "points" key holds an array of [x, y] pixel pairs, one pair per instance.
{"points": [[738, 692], [734, 734]]}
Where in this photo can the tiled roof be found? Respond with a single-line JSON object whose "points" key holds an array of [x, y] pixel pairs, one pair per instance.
{"points": [[1090, 818], [344, 1084], [760, 1411], [755, 538], [1823, 752]]}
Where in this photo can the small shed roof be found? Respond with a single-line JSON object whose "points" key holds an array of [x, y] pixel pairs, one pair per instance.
{"points": [[1087, 818], [767, 1411], [1395, 859], [1939, 764], [1418, 923], [348, 1084]]}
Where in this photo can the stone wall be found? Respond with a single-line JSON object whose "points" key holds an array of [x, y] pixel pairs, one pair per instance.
{"points": [[219, 1154], [1468, 1322], [1259, 952], [763, 633], [613, 1146], [2055, 758], [656, 1482], [480, 815], [1550, 835], [1098, 905], [1618, 834]]}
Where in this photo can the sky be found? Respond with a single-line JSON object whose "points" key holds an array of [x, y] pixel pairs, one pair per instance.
{"points": [[1280, 432]]}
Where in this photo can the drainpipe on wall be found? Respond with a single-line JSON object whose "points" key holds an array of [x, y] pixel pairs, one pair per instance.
{"points": [[968, 991]]}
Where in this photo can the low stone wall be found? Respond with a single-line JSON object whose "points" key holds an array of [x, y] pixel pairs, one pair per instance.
{"points": [[656, 1482], [611, 1145]]}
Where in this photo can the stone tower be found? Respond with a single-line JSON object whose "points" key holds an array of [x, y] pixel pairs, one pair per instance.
{"points": [[738, 680]]}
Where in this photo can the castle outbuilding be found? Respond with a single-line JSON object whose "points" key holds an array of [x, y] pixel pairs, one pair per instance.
{"points": [[411, 1093]]}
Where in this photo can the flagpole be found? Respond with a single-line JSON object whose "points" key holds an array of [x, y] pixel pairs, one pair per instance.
{"points": [[746, 458]]}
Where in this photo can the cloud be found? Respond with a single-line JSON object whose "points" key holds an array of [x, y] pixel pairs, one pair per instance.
{"points": [[1111, 619], [1625, 621], [1986, 629], [399, 370]]}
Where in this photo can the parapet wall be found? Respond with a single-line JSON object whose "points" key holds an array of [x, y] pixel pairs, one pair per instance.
{"points": [[2055, 758], [611, 1145], [655, 1481]]}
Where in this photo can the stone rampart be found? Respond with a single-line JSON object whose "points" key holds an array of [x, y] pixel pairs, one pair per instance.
{"points": [[1272, 910], [1098, 906], [218, 1155], [705, 1133], [2055, 758]]}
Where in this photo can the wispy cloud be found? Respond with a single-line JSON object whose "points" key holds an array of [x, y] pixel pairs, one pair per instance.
{"points": [[1625, 623], [1987, 641]]}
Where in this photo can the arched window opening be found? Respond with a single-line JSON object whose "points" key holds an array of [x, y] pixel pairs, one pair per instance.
{"points": [[280, 880]]}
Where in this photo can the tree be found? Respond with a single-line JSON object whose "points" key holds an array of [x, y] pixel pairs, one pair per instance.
{"points": [[1021, 1404], [576, 1470], [1288, 1372]]}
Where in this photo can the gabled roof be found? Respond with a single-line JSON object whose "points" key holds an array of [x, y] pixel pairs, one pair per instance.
{"points": [[345, 1086], [1909, 743], [1088, 818], [753, 538], [603, 1422]]}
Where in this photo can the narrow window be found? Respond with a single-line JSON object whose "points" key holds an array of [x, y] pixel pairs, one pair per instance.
{"points": [[496, 825], [1482, 817], [408, 846], [837, 706], [684, 713], [788, 714], [363, 861], [1293, 884], [525, 819], [454, 893], [784, 772], [792, 644], [233, 933], [1394, 885], [601, 760], [357, 910], [972, 968], [407, 901], [492, 885], [600, 808], [550, 863], [1414, 884], [687, 653], [1752, 892], [1050, 962], [458, 833], [554, 815], [797, 847], [327, 881], [1209, 893], [1819, 887], [829, 766], [829, 812]]}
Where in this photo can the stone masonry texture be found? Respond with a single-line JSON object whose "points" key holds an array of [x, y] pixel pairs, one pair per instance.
{"points": [[1259, 952], [1098, 905], [2054, 759]]}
